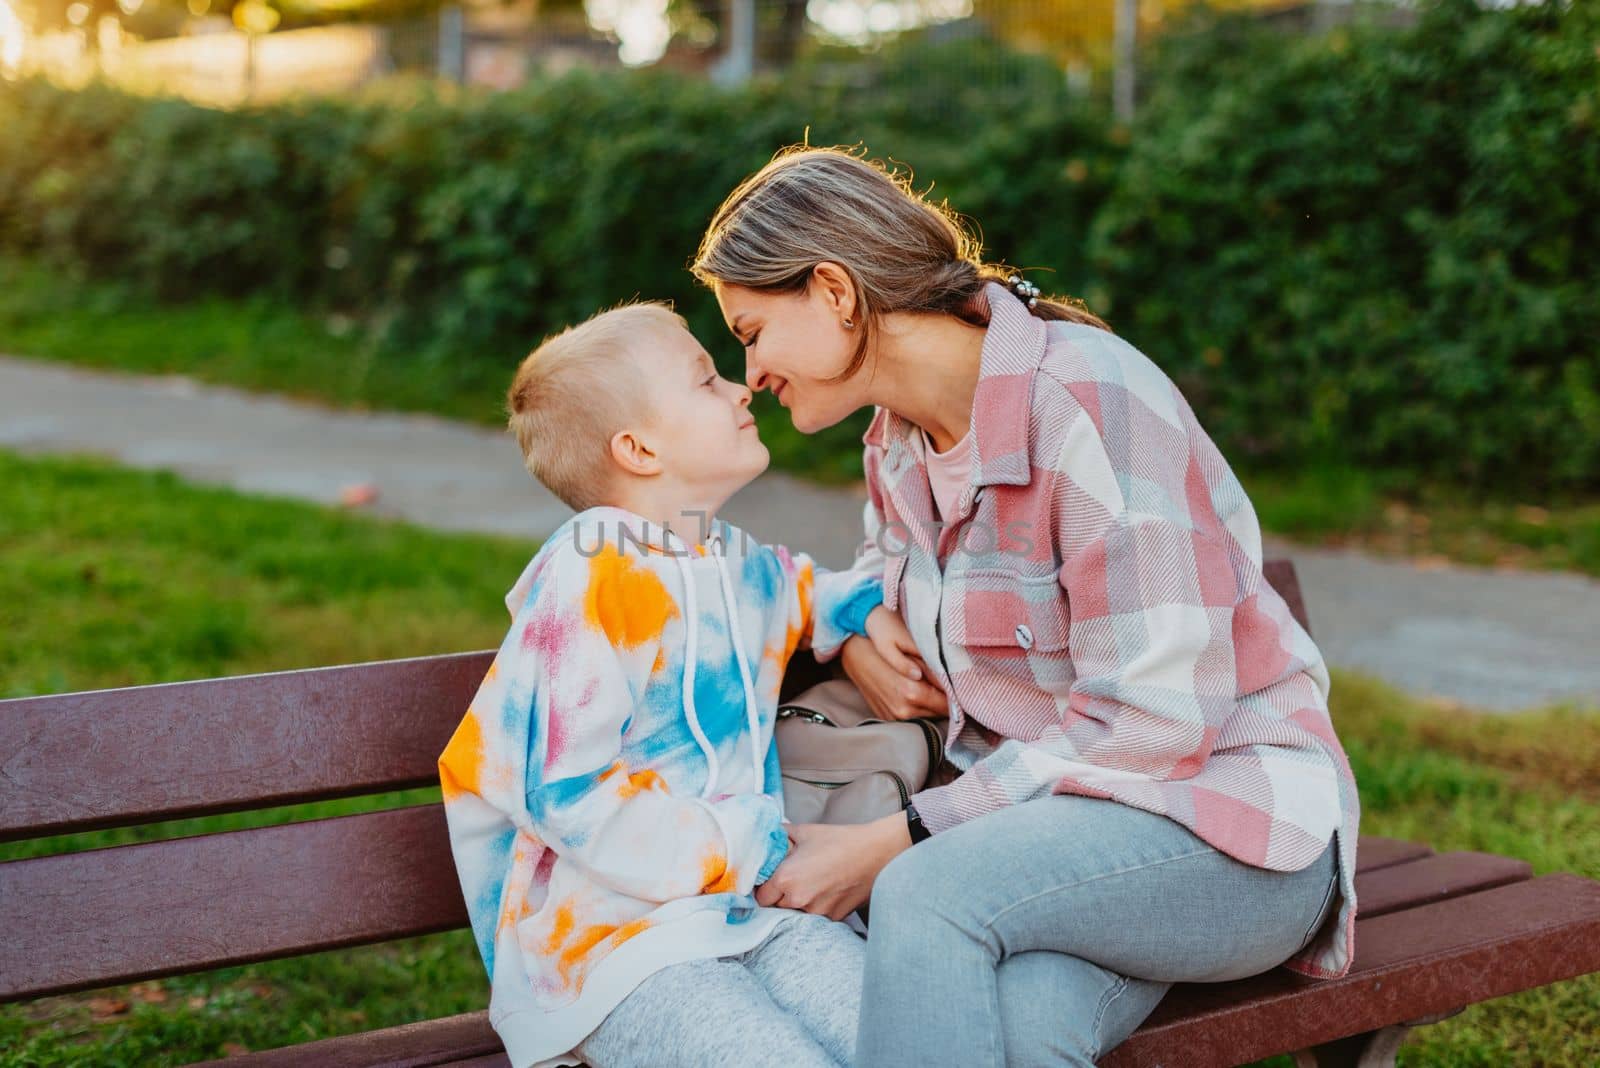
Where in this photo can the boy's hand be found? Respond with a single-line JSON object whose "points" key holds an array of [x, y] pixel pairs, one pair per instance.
{"points": [[894, 642]]}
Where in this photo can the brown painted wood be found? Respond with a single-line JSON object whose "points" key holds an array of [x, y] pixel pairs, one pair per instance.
{"points": [[1435, 878], [1408, 964], [1374, 852], [350, 880], [108, 758], [1280, 575], [454, 1040], [329, 869], [82, 920]]}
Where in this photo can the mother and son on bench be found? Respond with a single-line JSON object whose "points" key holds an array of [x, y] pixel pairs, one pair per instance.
{"points": [[1150, 789]]}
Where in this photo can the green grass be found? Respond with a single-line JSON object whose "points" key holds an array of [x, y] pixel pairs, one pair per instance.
{"points": [[115, 577], [1340, 507], [252, 344]]}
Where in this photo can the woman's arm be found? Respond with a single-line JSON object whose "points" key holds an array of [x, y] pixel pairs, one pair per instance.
{"points": [[898, 689]]}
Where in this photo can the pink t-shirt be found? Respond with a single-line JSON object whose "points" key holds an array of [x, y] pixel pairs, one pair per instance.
{"points": [[947, 472]]}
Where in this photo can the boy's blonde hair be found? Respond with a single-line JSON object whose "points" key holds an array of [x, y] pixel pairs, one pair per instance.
{"points": [[578, 389]]}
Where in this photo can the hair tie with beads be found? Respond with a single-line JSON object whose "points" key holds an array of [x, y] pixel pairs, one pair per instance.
{"points": [[1024, 289]]}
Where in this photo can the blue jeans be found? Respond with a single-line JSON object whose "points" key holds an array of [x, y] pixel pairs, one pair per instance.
{"points": [[1045, 933]]}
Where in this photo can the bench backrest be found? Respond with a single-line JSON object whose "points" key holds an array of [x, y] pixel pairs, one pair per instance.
{"points": [[111, 758]]}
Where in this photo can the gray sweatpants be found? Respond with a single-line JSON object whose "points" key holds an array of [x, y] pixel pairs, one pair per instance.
{"points": [[794, 1001]]}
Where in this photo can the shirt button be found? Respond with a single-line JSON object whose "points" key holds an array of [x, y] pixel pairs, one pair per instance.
{"points": [[1024, 636]]}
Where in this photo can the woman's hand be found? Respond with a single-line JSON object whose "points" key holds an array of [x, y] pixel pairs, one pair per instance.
{"points": [[830, 869], [891, 692], [894, 642]]}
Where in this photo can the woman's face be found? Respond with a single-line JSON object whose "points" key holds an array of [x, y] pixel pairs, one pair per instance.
{"points": [[793, 342]]}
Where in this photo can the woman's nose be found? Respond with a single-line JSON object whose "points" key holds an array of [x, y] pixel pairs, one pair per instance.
{"points": [[755, 378]]}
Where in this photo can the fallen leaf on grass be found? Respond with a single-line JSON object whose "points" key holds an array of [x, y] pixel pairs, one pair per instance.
{"points": [[358, 495], [101, 1008]]}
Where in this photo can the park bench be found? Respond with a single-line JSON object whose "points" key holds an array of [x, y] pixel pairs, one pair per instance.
{"points": [[1436, 931]]}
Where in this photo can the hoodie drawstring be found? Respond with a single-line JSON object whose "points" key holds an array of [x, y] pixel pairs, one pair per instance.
{"points": [[736, 634], [691, 615]]}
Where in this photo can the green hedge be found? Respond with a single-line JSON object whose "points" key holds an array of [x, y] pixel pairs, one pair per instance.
{"points": [[1374, 247], [463, 219], [1380, 246]]}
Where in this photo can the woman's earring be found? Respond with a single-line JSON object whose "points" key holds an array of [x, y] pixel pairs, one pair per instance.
{"points": [[848, 325]]}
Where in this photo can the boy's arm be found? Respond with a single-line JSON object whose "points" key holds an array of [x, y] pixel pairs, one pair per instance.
{"points": [[827, 607], [566, 684], [842, 600]]}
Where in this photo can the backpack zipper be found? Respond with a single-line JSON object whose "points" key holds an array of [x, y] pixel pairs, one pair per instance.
{"points": [[899, 785]]}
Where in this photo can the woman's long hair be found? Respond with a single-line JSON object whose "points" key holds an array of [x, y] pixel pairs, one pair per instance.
{"points": [[903, 253]]}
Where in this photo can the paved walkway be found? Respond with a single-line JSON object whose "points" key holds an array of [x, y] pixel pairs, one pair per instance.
{"points": [[1491, 639]]}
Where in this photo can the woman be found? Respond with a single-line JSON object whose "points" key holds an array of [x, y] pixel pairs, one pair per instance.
{"points": [[1153, 791]]}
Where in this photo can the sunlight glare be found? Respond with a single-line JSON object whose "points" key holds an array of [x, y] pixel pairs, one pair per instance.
{"points": [[640, 25], [13, 41]]}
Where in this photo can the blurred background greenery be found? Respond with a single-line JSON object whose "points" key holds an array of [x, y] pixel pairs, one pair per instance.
{"points": [[1370, 247]]}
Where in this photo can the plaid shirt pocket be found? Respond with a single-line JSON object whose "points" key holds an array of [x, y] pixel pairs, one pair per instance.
{"points": [[1007, 614]]}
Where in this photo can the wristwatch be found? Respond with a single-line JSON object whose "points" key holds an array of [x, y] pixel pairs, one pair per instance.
{"points": [[919, 833]]}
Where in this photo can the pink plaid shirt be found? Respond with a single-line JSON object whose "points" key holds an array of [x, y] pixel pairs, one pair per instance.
{"points": [[1101, 625]]}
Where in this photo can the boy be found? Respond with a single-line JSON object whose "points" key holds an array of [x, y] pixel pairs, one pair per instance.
{"points": [[613, 793]]}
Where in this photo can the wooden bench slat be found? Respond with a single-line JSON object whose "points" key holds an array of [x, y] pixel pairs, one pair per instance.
{"points": [[353, 880], [1374, 852], [1281, 576], [111, 758], [107, 758], [82, 920], [453, 1040], [1408, 964], [1435, 878], [1547, 929]]}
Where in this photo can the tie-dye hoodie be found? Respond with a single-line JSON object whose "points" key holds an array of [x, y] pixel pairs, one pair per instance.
{"points": [[612, 793]]}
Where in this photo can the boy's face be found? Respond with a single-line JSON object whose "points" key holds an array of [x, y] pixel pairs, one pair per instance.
{"points": [[701, 426]]}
